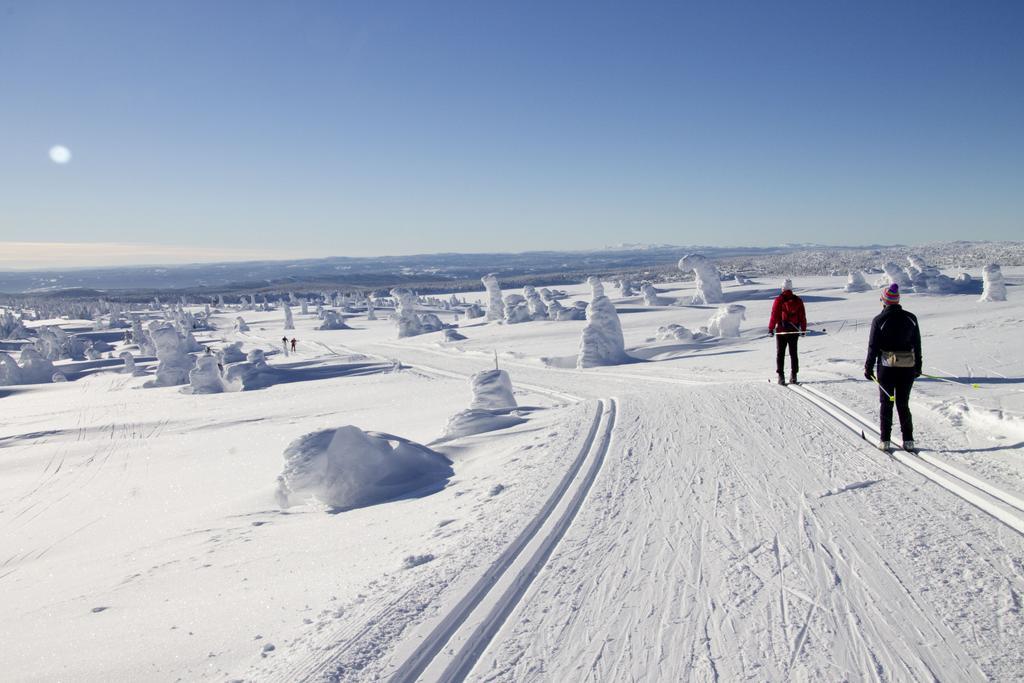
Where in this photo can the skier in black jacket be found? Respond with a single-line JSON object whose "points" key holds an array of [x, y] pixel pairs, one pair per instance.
{"points": [[895, 346]]}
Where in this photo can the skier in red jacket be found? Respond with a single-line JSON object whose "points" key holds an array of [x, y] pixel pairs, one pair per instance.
{"points": [[790, 321]]}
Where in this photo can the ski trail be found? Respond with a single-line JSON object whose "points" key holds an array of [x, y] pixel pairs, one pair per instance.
{"points": [[468, 628], [1002, 505], [741, 560]]}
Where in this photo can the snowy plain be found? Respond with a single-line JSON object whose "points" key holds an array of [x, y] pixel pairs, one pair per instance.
{"points": [[678, 517]]}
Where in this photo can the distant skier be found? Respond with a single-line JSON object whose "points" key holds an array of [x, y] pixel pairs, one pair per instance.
{"points": [[284, 344], [895, 345], [790, 320], [293, 343]]}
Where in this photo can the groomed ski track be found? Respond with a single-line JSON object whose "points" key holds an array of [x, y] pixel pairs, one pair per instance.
{"points": [[731, 531], [1002, 505]]}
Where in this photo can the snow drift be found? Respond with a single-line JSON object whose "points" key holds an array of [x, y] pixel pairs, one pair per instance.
{"points": [[347, 468]]}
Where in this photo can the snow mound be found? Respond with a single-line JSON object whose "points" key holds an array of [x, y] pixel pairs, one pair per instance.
{"points": [[601, 342], [347, 468], [726, 320], [241, 325], [706, 278], [995, 286]]}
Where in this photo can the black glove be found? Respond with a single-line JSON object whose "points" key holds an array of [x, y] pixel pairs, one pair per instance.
{"points": [[771, 333], [868, 375], [803, 334]]}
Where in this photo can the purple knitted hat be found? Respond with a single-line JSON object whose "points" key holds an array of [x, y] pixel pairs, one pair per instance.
{"points": [[891, 294]]}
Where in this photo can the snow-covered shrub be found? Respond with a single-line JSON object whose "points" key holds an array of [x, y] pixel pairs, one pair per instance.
{"points": [[32, 369], [347, 468], [129, 363], [673, 332], [10, 371], [516, 309], [651, 297], [897, 275], [53, 343], [231, 353], [452, 335], [250, 374], [855, 282], [174, 363], [626, 287], [538, 309], [492, 390], [12, 327], [495, 305], [491, 408], [241, 325], [726, 321], [205, 377], [289, 322], [408, 321], [706, 278], [370, 315], [430, 323], [601, 342], [995, 286], [332, 320], [474, 311]]}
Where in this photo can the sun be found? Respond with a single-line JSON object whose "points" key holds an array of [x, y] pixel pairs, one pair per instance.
{"points": [[60, 154]]}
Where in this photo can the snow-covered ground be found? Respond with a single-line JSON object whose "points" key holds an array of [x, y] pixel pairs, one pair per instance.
{"points": [[678, 517]]}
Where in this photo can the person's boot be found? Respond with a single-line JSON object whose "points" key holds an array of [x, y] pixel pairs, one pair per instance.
{"points": [[908, 446], [782, 379], [792, 378], [885, 446]]}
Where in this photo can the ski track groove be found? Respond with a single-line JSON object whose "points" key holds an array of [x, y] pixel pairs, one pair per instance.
{"points": [[592, 452], [968, 488]]}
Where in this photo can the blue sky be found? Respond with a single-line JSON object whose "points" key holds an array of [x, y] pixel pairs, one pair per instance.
{"points": [[365, 128]]}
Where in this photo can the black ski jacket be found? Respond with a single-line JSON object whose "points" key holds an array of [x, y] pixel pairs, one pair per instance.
{"points": [[894, 330]]}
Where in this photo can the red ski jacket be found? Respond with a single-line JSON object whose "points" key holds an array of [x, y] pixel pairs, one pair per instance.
{"points": [[788, 314]]}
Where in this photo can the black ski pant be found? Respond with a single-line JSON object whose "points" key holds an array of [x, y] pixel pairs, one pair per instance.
{"points": [[782, 342], [895, 382]]}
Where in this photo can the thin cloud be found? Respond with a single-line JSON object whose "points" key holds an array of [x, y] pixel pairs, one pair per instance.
{"points": [[55, 255]]}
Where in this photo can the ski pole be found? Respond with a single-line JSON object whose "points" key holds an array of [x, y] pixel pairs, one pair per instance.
{"points": [[951, 381], [822, 331], [892, 397]]}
